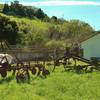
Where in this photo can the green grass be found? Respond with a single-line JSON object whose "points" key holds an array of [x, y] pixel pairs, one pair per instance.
{"points": [[59, 85]]}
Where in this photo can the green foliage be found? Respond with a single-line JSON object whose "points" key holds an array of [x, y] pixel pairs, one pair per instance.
{"points": [[1, 7], [39, 29], [54, 32], [37, 32], [17, 9], [39, 14], [8, 30], [56, 44], [46, 19], [76, 30], [5, 9], [53, 19], [32, 32]]}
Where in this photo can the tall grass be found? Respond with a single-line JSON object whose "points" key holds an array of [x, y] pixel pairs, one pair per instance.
{"points": [[59, 85]]}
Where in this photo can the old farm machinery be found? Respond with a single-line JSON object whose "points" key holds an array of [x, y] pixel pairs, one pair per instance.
{"points": [[74, 54], [35, 61], [20, 68]]}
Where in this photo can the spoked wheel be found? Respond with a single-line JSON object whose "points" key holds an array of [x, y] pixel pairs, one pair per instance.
{"points": [[3, 74], [45, 73], [33, 71], [50, 66], [22, 76]]}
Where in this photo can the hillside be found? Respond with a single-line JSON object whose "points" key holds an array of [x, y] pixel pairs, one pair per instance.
{"points": [[34, 27], [37, 32]]}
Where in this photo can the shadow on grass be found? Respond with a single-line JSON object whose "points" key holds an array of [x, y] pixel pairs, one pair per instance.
{"points": [[6, 80]]}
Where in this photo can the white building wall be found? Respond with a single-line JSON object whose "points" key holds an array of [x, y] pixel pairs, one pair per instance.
{"points": [[92, 47]]}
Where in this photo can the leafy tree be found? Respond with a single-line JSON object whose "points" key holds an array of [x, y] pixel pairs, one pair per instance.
{"points": [[53, 19], [76, 29], [46, 19], [30, 13], [17, 9], [5, 9], [40, 14], [54, 32], [8, 30]]}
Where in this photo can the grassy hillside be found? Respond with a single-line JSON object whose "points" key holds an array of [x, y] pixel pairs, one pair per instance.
{"points": [[58, 86], [37, 32]]}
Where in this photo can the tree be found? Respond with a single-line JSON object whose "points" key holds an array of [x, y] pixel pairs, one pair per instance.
{"points": [[6, 8], [53, 19], [30, 13], [54, 32], [76, 29], [8, 30], [40, 14], [16, 2], [46, 19], [17, 9]]}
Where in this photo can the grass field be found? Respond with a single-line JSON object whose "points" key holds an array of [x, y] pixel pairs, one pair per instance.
{"points": [[59, 85]]}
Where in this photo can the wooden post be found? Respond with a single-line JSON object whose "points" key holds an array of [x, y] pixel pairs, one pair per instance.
{"points": [[54, 58]]}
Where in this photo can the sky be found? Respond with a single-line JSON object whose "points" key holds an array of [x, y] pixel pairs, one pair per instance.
{"points": [[85, 10]]}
